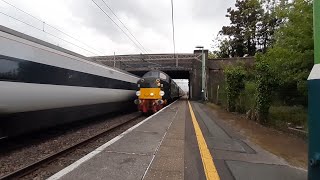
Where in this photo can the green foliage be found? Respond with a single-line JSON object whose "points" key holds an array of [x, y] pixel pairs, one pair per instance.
{"points": [[242, 30], [245, 101], [251, 29], [280, 116], [212, 55], [223, 99], [234, 84], [224, 47], [247, 98], [269, 22], [266, 83], [291, 56], [281, 31]]}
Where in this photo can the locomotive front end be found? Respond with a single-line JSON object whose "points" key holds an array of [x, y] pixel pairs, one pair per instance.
{"points": [[150, 95]]}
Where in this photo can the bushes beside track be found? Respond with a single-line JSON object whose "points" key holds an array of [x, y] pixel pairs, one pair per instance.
{"points": [[280, 113]]}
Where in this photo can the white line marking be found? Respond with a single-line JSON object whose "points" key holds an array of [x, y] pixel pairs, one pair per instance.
{"points": [[74, 165], [128, 153]]}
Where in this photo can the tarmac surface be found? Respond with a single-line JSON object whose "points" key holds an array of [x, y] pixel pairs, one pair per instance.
{"points": [[166, 146]]}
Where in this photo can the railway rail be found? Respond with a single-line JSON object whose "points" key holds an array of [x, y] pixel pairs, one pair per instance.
{"points": [[28, 169]]}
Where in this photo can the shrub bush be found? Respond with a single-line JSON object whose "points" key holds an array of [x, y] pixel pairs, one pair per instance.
{"points": [[266, 83], [246, 100], [234, 84], [281, 115], [223, 100]]}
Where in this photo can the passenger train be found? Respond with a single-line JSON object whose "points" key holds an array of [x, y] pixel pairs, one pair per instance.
{"points": [[156, 90], [42, 85]]}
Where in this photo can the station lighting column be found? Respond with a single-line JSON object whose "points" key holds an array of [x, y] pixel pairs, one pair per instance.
{"points": [[314, 101], [203, 76]]}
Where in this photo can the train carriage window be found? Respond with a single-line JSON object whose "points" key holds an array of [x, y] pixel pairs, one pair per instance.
{"points": [[163, 76]]}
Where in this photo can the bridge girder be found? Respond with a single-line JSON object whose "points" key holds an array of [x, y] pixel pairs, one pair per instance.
{"points": [[144, 62], [147, 57]]}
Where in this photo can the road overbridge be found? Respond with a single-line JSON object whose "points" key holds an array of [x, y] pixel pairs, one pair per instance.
{"points": [[177, 66]]}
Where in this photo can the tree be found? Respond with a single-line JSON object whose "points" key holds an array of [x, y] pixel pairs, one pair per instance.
{"points": [[270, 21], [212, 55], [224, 48], [291, 56], [242, 30], [252, 28]]}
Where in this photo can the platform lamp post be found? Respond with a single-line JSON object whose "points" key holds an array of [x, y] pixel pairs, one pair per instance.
{"points": [[314, 100], [203, 82]]}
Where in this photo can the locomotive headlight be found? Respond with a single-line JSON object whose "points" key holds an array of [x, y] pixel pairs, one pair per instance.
{"points": [[138, 93], [151, 94], [158, 84], [161, 93]]}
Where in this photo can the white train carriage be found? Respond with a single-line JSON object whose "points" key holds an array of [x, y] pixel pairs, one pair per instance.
{"points": [[42, 85]]}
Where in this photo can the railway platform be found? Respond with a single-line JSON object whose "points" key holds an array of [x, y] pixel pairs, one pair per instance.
{"points": [[182, 141]]}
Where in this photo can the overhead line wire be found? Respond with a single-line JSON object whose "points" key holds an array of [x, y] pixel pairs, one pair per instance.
{"points": [[123, 24], [117, 26], [52, 27], [46, 32], [173, 38], [124, 31]]}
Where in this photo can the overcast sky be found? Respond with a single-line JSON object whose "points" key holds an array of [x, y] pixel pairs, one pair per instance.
{"points": [[196, 23]]}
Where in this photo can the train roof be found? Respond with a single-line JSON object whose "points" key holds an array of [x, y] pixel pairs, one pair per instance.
{"points": [[158, 74], [52, 46], [39, 41]]}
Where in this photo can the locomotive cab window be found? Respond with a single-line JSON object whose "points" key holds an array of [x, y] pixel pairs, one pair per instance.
{"points": [[163, 76], [151, 74]]}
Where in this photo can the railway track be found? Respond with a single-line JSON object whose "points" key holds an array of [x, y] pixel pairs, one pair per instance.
{"points": [[28, 169]]}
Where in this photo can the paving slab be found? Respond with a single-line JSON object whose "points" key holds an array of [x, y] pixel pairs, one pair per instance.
{"points": [[253, 171], [164, 163], [111, 165], [161, 125], [173, 142], [164, 175], [175, 135], [167, 151], [225, 144], [223, 170], [140, 142], [214, 130]]}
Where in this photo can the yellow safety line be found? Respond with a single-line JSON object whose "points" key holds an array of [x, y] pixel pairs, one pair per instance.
{"points": [[207, 160]]}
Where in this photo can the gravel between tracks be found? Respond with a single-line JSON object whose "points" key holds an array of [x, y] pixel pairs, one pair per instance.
{"points": [[14, 160]]}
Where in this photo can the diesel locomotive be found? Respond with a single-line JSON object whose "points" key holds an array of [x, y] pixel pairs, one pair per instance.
{"points": [[156, 90]]}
